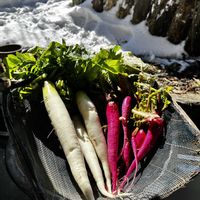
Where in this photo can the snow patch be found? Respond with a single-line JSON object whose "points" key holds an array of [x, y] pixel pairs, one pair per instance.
{"points": [[11, 3], [44, 21]]}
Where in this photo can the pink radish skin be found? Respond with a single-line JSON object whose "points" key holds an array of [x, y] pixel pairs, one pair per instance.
{"points": [[127, 154], [134, 147], [145, 148], [139, 138], [157, 126], [112, 115], [153, 134], [126, 149]]}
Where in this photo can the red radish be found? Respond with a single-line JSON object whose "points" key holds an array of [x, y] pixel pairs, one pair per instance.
{"points": [[134, 147], [140, 155], [153, 133], [126, 153], [126, 149], [112, 115], [156, 125], [139, 138]]}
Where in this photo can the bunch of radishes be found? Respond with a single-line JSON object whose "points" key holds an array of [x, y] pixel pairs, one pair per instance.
{"points": [[82, 138], [137, 141], [76, 82]]}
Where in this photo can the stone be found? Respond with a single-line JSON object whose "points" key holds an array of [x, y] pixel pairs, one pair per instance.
{"points": [[124, 8], [181, 22], [192, 46], [98, 5], [141, 9], [160, 17], [77, 2], [177, 20], [109, 4]]}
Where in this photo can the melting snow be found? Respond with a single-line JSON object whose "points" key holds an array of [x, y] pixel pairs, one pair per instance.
{"points": [[37, 22], [33, 22]]}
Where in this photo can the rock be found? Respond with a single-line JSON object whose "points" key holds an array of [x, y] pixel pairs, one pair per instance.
{"points": [[141, 9], [181, 22], [77, 2], [160, 17], [192, 71], [177, 20], [109, 4], [192, 43], [124, 8], [98, 5]]}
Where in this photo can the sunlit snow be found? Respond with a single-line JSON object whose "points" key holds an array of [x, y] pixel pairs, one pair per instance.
{"points": [[33, 22]]}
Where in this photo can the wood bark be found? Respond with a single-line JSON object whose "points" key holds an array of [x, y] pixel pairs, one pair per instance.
{"points": [[177, 20]]}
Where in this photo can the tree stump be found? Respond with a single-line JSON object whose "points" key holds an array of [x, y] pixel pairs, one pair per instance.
{"points": [[177, 20]]}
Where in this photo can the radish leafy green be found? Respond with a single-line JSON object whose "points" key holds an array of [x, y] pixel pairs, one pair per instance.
{"points": [[73, 68]]}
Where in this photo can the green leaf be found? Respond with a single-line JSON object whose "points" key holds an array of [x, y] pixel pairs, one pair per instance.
{"points": [[26, 57], [150, 99], [115, 65], [73, 64], [11, 62], [116, 49]]}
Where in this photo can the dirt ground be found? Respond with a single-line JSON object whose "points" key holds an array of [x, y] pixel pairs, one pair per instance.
{"points": [[185, 90], [186, 84]]}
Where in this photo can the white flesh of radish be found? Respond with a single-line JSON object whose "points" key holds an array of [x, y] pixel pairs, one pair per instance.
{"points": [[90, 156], [94, 130], [67, 136]]}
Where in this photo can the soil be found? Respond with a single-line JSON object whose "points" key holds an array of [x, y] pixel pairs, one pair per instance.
{"points": [[185, 90], [186, 84]]}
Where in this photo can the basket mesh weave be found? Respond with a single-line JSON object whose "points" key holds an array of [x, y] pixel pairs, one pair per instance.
{"points": [[170, 167]]}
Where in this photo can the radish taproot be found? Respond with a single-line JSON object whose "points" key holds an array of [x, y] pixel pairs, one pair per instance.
{"points": [[94, 129], [139, 138], [113, 131], [126, 149], [90, 156], [134, 148], [67, 136], [154, 133], [140, 155]]}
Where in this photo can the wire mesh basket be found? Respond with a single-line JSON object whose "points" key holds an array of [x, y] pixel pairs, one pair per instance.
{"points": [[38, 165]]}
